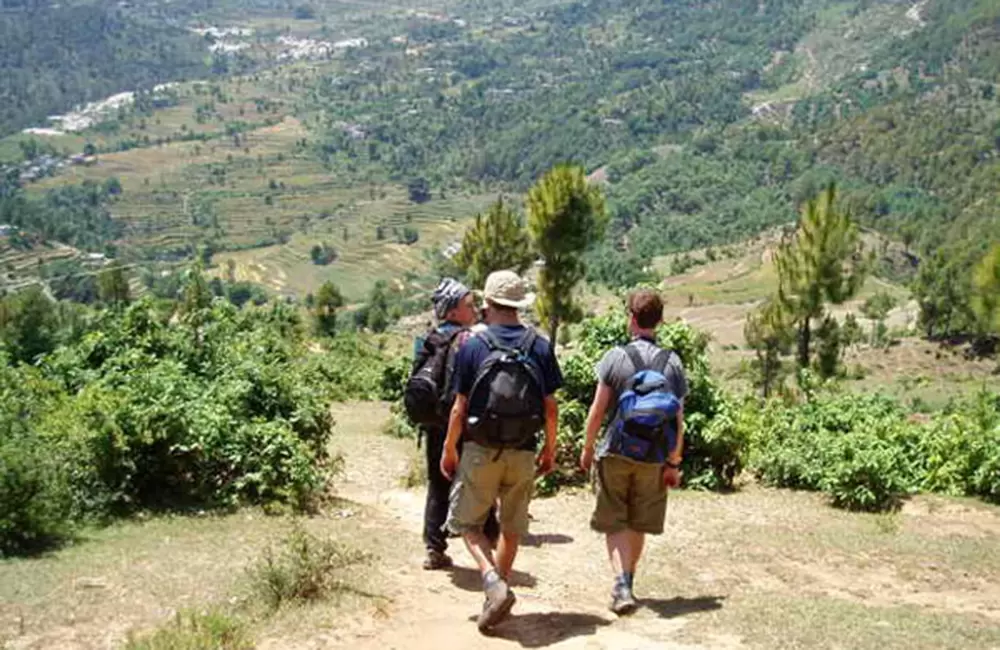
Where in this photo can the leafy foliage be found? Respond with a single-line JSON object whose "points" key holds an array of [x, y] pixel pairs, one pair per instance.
{"points": [[859, 450], [986, 290], [205, 404], [868, 455]]}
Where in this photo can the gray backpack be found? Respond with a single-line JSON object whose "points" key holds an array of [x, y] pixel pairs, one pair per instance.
{"points": [[509, 384]]}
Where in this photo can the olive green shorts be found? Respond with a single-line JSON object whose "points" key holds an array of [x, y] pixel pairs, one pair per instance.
{"points": [[630, 495], [482, 478]]}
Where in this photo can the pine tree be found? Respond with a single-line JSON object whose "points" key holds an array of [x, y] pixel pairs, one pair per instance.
{"points": [[496, 241], [768, 330], [986, 291], [820, 263], [565, 217]]}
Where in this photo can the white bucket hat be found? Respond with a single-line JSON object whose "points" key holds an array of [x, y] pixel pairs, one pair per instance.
{"points": [[508, 289]]}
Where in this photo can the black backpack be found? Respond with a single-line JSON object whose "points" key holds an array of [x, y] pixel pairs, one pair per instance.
{"points": [[509, 387], [426, 396]]}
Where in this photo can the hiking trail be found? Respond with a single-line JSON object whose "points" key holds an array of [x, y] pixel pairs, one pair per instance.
{"points": [[561, 577]]}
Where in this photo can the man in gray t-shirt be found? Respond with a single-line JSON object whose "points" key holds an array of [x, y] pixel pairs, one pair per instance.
{"points": [[632, 495], [616, 369]]}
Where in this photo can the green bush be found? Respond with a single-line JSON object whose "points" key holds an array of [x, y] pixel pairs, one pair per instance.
{"points": [[301, 568], [961, 449], [35, 502], [216, 410], [214, 406], [858, 449]]}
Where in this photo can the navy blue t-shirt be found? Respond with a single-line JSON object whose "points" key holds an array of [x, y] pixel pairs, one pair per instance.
{"points": [[474, 351]]}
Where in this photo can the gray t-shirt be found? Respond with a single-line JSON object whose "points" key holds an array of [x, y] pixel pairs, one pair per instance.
{"points": [[616, 369]]}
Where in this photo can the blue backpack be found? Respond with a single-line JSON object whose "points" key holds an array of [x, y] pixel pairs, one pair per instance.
{"points": [[645, 425]]}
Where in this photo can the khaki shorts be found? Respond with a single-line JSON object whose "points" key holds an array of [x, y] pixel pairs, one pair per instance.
{"points": [[482, 478], [630, 495]]}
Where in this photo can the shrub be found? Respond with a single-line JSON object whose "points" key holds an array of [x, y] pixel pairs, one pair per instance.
{"points": [[35, 503], [194, 631], [858, 449], [302, 568], [216, 407], [216, 411], [961, 449]]}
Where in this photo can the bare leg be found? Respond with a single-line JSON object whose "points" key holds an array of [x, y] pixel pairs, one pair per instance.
{"points": [[636, 542], [506, 552], [620, 551], [481, 550]]}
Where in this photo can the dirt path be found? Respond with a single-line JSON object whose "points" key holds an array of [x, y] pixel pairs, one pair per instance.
{"points": [[560, 575], [778, 545]]}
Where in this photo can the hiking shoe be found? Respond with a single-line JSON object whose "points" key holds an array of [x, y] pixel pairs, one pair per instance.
{"points": [[436, 560], [623, 602], [499, 601]]}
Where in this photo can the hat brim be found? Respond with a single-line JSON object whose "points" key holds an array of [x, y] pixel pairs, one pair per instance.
{"points": [[524, 303]]}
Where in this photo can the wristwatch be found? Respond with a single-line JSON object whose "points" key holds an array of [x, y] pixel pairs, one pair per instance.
{"points": [[673, 465]]}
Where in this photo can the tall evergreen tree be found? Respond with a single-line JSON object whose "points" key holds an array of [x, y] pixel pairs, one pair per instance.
{"points": [[497, 240], [768, 330], [986, 291], [565, 217], [820, 263]]}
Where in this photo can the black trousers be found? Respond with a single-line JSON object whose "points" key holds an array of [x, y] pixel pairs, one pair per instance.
{"points": [[438, 491]]}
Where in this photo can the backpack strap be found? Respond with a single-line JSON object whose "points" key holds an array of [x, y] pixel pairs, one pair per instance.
{"points": [[527, 342], [637, 361], [661, 361], [491, 340]]}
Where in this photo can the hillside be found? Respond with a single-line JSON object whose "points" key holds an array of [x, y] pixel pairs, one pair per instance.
{"points": [[708, 123]]}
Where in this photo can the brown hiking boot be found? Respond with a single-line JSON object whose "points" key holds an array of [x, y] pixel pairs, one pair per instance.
{"points": [[437, 560], [499, 601]]}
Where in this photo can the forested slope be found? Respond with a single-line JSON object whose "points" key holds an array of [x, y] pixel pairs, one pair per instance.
{"points": [[54, 57]]}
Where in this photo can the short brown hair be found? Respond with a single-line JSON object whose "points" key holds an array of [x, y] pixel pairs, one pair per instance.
{"points": [[647, 307]]}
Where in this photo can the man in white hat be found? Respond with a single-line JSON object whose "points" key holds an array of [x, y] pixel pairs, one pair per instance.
{"points": [[505, 378]]}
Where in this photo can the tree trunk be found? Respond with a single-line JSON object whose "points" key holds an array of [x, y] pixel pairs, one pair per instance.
{"points": [[554, 332], [804, 340]]}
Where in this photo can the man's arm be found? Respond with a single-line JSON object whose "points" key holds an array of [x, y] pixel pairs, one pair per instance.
{"points": [[672, 475], [456, 420], [598, 408], [677, 453], [547, 457]]}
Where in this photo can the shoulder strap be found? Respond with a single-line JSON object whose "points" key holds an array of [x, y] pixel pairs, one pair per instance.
{"points": [[635, 357], [661, 361], [527, 342], [490, 339]]}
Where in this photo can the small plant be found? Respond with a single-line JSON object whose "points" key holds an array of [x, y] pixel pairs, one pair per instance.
{"points": [[194, 631], [887, 523], [302, 568]]}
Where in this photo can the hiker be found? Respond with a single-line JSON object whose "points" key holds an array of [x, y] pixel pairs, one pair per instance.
{"points": [[504, 381], [428, 404], [643, 386]]}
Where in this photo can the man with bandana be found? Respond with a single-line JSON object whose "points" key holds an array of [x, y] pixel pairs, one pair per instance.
{"points": [[455, 311]]}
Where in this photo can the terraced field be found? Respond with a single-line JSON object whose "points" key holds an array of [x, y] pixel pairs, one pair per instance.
{"points": [[265, 197]]}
